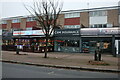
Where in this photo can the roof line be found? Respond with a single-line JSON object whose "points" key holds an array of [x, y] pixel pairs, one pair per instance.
{"points": [[91, 9]]}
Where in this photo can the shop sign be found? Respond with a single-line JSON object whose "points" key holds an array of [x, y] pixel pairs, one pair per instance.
{"points": [[109, 31], [65, 32], [100, 31], [31, 32], [89, 31]]}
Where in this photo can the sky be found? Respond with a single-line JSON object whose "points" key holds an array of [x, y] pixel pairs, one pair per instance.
{"points": [[13, 8]]}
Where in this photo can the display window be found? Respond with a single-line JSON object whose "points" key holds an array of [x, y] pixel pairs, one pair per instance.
{"points": [[42, 43], [68, 43], [85, 46], [8, 42]]}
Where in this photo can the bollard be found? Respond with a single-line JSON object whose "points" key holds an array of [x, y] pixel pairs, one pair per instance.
{"points": [[99, 57], [17, 50], [95, 56]]}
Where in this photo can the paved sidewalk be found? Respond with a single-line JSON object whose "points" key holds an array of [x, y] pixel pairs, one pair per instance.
{"points": [[72, 60]]}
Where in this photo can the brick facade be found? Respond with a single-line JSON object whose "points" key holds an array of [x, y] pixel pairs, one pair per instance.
{"points": [[72, 21], [15, 25], [23, 23], [9, 24], [4, 26], [31, 24], [60, 20], [84, 19], [113, 17]]}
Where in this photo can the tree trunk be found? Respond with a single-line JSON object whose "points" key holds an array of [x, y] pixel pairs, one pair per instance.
{"points": [[46, 47]]}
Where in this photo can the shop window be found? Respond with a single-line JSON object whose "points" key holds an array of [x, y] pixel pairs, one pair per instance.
{"points": [[30, 19], [69, 43], [104, 25], [98, 26], [98, 13], [85, 46], [8, 42], [42, 42]]}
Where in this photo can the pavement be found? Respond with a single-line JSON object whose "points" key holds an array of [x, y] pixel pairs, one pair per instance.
{"points": [[77, 61]]}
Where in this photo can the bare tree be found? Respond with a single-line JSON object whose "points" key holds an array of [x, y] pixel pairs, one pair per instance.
{"points": [[46, 13]]}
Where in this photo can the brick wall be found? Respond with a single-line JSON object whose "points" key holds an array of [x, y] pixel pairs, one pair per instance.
{"points": [[4, 26], [113, 17], [60, 20], [15, 25], [23, 23], [9, 24], [31, 24], [84, 19], [72, 21]]}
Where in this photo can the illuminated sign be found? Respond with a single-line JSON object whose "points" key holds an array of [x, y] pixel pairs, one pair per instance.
{"points": [[66, 32], [31, 32], [100, 31]]}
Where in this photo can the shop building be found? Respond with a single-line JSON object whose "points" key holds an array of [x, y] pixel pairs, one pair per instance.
{"points": [[82, 29]]}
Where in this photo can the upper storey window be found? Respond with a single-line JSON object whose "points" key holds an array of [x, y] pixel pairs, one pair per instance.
{"points": [[15, 20], [98, 13], [30, 19], [72, 15]]}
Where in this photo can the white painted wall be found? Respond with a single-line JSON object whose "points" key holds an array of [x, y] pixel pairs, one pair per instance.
{"points": [[98, 20]]}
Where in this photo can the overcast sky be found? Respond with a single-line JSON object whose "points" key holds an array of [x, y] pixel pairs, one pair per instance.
{"points": [[13, 8]]}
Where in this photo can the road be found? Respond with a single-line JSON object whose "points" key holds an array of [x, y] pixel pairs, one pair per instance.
{"points": [[27, 71]]}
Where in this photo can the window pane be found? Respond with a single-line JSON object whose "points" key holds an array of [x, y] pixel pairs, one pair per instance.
{"points": [[71, 15], [30, 19]]}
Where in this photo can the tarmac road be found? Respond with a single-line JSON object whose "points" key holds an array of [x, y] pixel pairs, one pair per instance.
{"points": [[10, 70]]}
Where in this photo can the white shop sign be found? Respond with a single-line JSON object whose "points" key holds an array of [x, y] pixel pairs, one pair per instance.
{"points": [[31, 32]]}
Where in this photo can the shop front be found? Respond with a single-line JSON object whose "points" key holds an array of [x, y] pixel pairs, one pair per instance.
{"points": [[107, 37], [67, 40], [89, 44], [86, 40], [32, 41]]}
